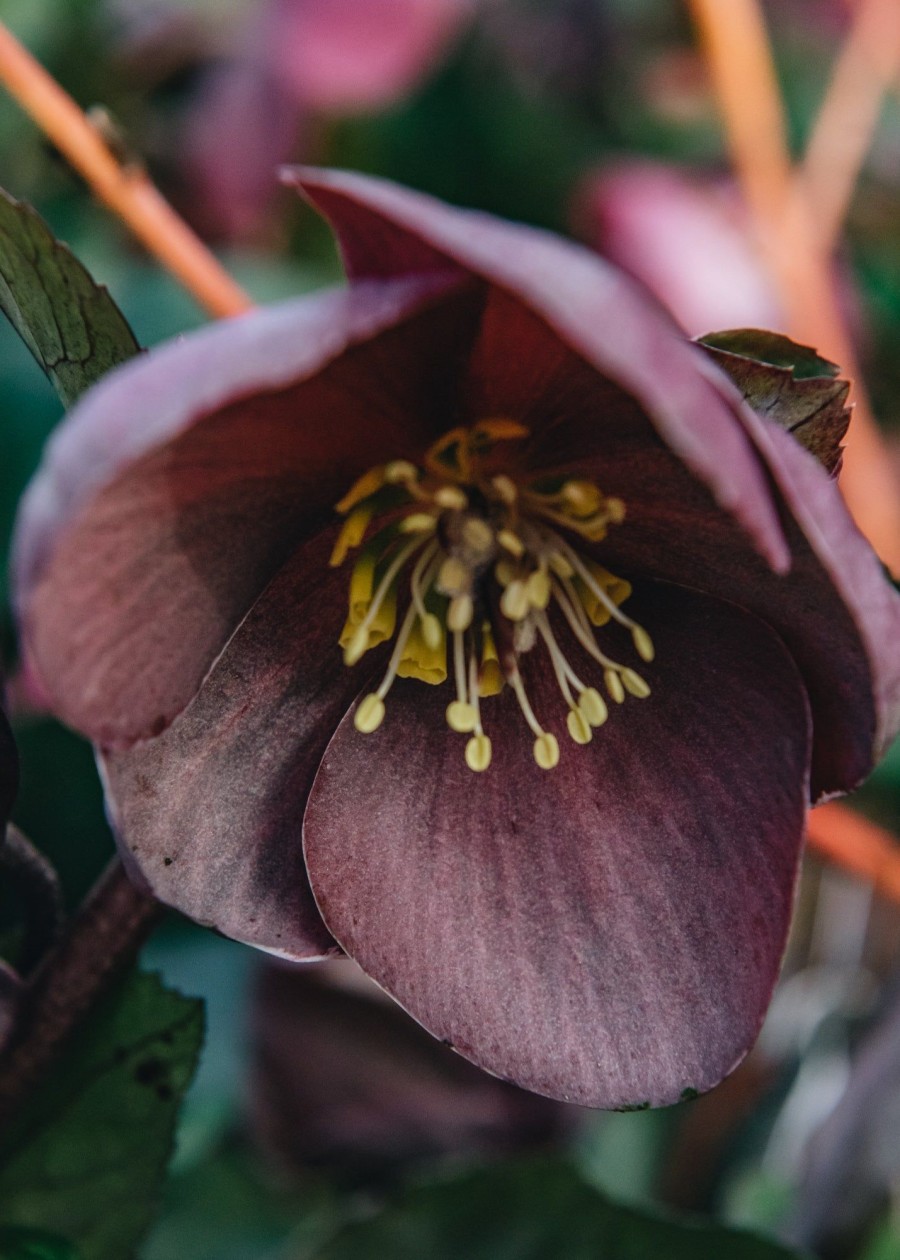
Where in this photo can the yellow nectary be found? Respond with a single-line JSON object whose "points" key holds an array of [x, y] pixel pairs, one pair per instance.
{"points": [[486, 556]]}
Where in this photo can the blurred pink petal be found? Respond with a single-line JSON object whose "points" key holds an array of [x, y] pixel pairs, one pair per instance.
{"points": [[342, 56], [685, 239]]}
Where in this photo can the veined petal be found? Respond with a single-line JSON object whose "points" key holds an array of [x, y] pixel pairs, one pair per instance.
{"points": [[608, 932], [593, 308], [180, 484], [210, 811]]}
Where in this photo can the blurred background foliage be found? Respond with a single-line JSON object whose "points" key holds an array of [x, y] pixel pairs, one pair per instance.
{"points": [[316, 1101]]}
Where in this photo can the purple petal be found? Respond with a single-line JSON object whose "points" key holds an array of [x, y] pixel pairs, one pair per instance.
{"points": [[180, 485], [210, 812], [593, 308], [608, 932]]}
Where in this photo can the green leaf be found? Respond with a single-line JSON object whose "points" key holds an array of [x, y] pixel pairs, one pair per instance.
{"points": [[87, 1159], [529, 1211], [788, 383], [34, 1244], [70, 324]]}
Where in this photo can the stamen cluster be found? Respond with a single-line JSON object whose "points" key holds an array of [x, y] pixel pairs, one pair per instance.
{"points": [[486, 556]]}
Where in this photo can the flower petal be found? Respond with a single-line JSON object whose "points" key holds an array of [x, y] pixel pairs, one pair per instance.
{"points": [[210, 811], [173, 493], [596, 310], [608, 932]]}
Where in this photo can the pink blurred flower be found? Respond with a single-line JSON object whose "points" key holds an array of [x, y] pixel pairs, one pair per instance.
{"points": [[346, 56], [687, 239]]}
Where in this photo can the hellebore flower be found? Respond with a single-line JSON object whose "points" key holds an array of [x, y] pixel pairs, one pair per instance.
{"points": [[542, 484]]}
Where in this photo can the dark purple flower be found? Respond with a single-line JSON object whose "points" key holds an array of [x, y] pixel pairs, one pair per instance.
{"points": [[343, 1078], [577, 491]]}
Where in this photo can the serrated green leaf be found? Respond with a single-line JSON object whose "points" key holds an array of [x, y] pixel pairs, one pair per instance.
{"points": [[87, 1159], [529, 1211], [788, 383], [34, 1244], [70, 324]]}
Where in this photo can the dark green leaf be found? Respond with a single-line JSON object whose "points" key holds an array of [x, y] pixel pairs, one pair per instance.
{"points": [[70, 324], [87, 1159], [530, 1211], [787, 383], [34, 1244]]}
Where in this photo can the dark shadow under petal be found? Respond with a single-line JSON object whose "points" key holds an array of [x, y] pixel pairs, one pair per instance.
{"points": [[608, 932], [210, 811], [9, 769]]}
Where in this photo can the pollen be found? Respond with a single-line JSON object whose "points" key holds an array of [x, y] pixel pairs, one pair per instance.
{"points": [[486, 565]]}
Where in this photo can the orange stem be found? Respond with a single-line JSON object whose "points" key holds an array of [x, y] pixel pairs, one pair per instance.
{"points": [[857, 845], [864, 72], [125, 190], [734, 37]]}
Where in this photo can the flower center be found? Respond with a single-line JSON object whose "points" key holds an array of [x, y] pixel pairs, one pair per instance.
{"points": [[486, 557]]}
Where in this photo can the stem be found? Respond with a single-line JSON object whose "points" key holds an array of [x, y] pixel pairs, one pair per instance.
{"points": [[734, 37], [864, 72], [841, 835], [40, 894], [101, 942], [125, 189]]}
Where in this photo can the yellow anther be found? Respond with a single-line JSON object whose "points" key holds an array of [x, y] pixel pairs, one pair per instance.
{"points": [[461, 717], [546, 751], [478, 753], [582, 497], [615, 511], [451, 498], [453, 577], [514, 602], [369, 483], [579, 727], [614, 685], [593, 706], [417, 523], [634, 684], [560, 565], [643, 644], [400, 470], [420, 659], [498, 429], [460, 612], [432, 634], [504, 572], [357, 647], [381, 627], [490, 676], [511, 542], [370, 714], [537, 588], [506, 489], [615, 588], [352, 533], [362, 586], [477, 535]]}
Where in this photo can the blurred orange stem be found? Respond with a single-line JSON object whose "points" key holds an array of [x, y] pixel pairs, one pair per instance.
{"points": [[125, 190], [859, 846], [737, 48], [864, 72]]}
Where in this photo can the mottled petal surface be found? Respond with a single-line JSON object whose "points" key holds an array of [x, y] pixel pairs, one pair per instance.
{"points": [[175, 491], [596, 310], [210, 812], [608, 932]]}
